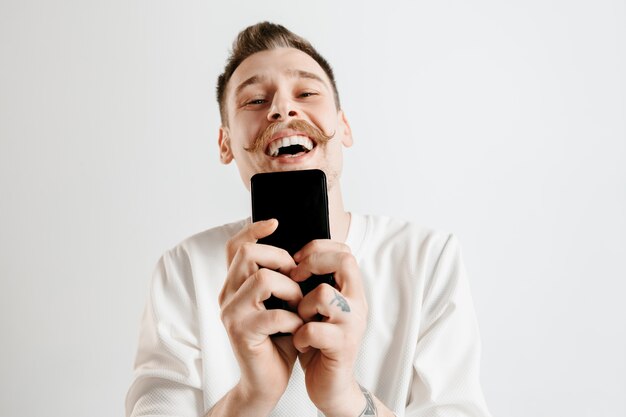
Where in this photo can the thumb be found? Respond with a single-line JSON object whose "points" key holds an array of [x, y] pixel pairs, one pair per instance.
{"points": [[250, 234]]}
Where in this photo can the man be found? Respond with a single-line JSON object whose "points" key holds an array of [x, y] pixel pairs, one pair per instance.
{"points": [[398, 333]]}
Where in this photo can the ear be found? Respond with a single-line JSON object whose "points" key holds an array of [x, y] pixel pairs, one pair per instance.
{"points": [[344, 126], [223, 140]]}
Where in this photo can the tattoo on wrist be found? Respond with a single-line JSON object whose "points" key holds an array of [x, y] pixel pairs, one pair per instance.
{"points": [[370, 407], [341, 302]]}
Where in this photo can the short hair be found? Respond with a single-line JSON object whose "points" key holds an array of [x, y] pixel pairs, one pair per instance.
{"points": [[261, 37]]}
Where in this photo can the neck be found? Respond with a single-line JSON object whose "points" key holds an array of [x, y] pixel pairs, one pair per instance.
{"points": [[339, 219]]}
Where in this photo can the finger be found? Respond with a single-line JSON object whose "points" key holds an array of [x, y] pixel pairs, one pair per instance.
{"points": [[326, 337], [320, 245], [249, 259], [319, 263], [324, 300], [249, 234], [341, 264], [248, 300], [252, 256], [269, 322], [265, 283]]}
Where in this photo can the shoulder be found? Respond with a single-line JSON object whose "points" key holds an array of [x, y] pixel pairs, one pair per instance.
{"points": [[200, 256], [201, 250], [388, 231], [403, 244], [208, 240]]}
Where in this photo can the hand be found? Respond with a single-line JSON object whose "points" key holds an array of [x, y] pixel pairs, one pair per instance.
{"points": [[329, 347], [255, 272]]}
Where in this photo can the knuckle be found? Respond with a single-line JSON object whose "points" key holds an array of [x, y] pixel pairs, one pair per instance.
{"points": [[314, 258], [316, 245], [304, 264], [235, 329], [231, 245], [284, 254], [232, 325], [274, 317], [347, 260], [346, 257], [222, 296], [311, 331], [324, 292], [261, 278], [345, 248], [225, 317], [246, 249]]}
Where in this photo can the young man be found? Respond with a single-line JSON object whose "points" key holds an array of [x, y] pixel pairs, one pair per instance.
{"points": [[398, 334]]}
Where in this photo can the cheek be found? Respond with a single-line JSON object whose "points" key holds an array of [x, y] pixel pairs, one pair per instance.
{"points": [[244, 135], [247, 121], [324, 119]]}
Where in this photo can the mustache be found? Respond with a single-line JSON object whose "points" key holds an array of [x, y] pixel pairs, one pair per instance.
{"points": [[261, 141]]}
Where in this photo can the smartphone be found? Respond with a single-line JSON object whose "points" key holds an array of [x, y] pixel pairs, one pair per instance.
{"points": [[299, 201]]}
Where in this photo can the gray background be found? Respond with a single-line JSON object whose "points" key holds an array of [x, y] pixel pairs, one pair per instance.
{"points": [[503, 122]]}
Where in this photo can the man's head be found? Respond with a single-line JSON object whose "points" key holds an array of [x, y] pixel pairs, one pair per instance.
{"points": [[261, 37], [279, 106]]}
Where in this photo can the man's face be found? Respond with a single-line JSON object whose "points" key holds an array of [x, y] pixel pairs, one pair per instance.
{"points": [[266, 92]]}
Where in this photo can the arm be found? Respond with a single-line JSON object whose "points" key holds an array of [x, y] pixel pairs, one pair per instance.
{"points": [[447, 359], [255, 272], [237, 403], [168, 375], [328, 348], [446, 362]]}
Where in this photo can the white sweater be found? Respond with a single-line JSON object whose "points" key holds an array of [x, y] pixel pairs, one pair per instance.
{"points": [[419, 356]]}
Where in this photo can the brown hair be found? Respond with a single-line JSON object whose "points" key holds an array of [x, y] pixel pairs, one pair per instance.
{"points": [[261, 37]]}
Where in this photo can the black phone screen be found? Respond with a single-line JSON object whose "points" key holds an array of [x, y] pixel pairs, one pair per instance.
{"points": [[299, 201]]}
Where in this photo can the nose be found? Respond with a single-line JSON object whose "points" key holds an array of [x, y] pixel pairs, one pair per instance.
{"points": [[282, 108]]}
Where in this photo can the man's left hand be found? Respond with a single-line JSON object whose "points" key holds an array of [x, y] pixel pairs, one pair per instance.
{"points": [[329, 348]]}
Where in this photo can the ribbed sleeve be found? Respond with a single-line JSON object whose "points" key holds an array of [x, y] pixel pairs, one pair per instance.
{"points": [[168, 365]]}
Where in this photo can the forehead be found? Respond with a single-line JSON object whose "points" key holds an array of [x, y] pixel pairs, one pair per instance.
{"points": [[275, 63]]}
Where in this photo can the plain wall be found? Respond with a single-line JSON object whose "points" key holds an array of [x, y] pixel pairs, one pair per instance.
{"points": [[503, 122]]}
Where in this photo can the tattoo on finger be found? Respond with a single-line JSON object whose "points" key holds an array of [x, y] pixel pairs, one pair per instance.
{"points": [[341, 302]]}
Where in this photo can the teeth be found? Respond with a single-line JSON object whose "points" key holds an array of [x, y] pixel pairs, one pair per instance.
{"points": [[289, 141]]}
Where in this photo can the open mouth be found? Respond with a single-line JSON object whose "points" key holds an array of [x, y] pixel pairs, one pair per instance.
{"points": [[290, 146]]}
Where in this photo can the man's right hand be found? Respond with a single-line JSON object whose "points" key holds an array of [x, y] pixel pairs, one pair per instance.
{"points": [[255, 272]]}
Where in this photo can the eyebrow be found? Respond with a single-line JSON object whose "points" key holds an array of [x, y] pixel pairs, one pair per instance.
{"points": [[304, 74], [256, 79]]}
